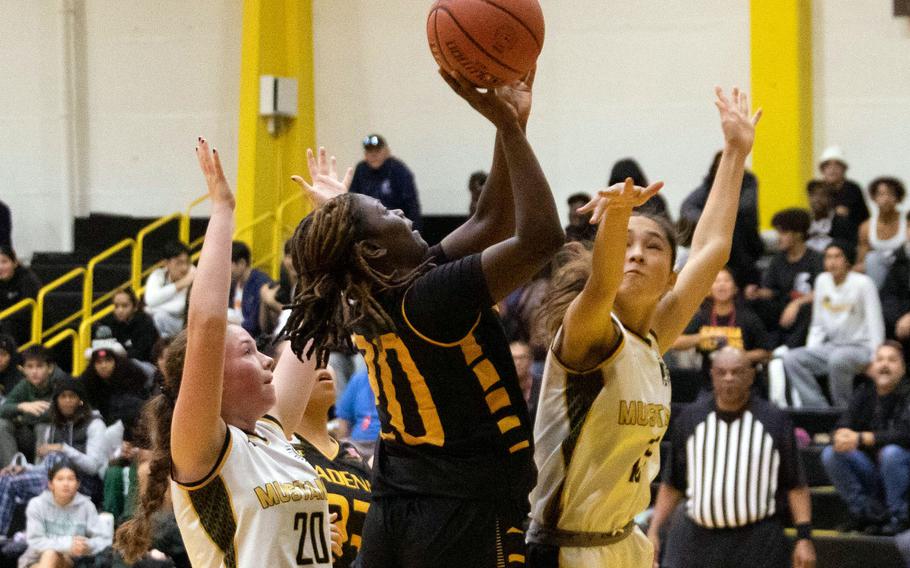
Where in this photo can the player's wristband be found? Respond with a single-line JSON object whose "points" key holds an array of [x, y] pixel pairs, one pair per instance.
{"points": [[804, 531]]}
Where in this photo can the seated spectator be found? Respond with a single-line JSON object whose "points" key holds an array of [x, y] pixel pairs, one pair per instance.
{"points": [[732, 508], [845, 331], [629, 168], [10, 375], [884, 233], [73, 436], [475, 187], [26, 405], [524, 360], [826, 226], [846, 195], [275, 297], [747, 245], [356, 410], [132, 327], [579, 227], [63, 527], [870, 456], [6, 226], [16, 283], [895, 296], [114, 385], [725, 321], [246, 288], [166, 289], [784, 300]]}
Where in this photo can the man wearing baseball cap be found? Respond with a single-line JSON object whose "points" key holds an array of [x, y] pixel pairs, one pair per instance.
{"points": [[386, 178], [846, 195]]}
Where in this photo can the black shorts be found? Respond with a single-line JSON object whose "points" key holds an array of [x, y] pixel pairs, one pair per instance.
{"points": [[434, 532]]}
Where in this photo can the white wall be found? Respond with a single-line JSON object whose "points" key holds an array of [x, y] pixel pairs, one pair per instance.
{"points": [[616, 79], [862, 86]]}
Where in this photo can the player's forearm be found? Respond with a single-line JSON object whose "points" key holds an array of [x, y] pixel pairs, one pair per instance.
{"points": [[667, 499], [800, 505], [536, 219], [496, 207], [714, 232], [609, 253]]}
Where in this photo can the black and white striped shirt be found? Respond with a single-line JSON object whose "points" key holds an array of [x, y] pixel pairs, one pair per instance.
{"points": [[735, 469]]}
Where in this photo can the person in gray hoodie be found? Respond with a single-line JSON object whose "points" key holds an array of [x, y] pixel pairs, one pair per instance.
{"points": [[62, 526]]}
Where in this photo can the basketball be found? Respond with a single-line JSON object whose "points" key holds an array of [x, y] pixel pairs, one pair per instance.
{"points": [[490, 42]]}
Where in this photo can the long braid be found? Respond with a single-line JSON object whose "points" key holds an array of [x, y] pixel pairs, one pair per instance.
{"points": [[134, 538], [337, 291]]}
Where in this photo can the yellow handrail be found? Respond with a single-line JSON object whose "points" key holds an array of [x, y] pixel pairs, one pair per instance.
{"points": [[88, 287], [18, 306], [38, 315], [68, 333], [137, 251], [278, 237], [185, 220], [85, 337]]}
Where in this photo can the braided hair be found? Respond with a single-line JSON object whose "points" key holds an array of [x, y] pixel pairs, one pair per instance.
{"points": [[134, 537], [338, 290]]}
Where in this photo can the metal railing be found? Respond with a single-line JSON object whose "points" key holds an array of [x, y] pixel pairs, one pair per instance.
{"points": [[85, 337], [88, 290], [282, 232], [78, 352], [137, 273], [267, 259], [38, 315], [25, 303]]}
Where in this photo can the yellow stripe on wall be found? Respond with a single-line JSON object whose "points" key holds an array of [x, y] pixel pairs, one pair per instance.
{"points": [[277, 40], [781, 32]]}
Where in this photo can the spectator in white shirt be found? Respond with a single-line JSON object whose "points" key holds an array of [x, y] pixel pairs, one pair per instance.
{"points": [[846, 329], [167, 287]]}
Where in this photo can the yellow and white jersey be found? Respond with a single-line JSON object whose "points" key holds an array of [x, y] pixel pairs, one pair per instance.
{"points": [[597, 437], [262, 505]]}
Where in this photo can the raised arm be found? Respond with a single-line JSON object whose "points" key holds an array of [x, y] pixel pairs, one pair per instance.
{"points": [[588, 332], [538, 233], [714, 232], [197, 430], [494, 219], [293, 380]]}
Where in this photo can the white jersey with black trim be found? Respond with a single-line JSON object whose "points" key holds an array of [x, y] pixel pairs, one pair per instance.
{"points": [[597, 437], [261, 505]]}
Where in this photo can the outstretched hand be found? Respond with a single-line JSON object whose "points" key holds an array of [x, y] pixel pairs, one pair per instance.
{"points": [[324, 175], [497, 107], [210, 164], [518, 94], [735, 119], [624, 195]]}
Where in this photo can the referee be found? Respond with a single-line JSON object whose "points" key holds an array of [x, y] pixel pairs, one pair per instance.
{"points": [[734, 460]]}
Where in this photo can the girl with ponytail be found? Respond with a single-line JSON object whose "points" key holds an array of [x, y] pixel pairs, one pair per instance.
{"points": [[219, 431]]}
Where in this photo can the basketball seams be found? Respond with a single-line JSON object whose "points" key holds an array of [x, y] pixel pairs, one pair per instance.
{"points": [[445, 60], [467, 36], [531, 33]]}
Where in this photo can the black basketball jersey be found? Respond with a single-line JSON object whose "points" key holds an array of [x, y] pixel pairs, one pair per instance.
{"points": [[454, 421], [347, 484]]}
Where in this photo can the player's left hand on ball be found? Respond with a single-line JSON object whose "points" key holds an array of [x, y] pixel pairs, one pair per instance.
{"points": [[336, 535]]}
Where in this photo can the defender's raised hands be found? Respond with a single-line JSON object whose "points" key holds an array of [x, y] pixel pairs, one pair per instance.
{"points": [[735, 119], [210, 164], [324, 175]]}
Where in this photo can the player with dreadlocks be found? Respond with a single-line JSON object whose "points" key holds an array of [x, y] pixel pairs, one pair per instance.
{"points": [[453, 467]]}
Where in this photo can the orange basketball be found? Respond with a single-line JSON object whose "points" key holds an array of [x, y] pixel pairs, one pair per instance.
{"points": [[490, 42]]}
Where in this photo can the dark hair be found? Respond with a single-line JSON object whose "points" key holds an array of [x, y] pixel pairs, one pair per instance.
{"points": [[893, 345], [8, 344], [39, 353], [627, 168], [8, 251], [893, 183], [173, 249], [817, 185], [793, 220], [83, 412], [338, 290], [477, 179], [239, 251], [580, 196], [158, 348], [845, 247], [65, 464], [134, 537]]}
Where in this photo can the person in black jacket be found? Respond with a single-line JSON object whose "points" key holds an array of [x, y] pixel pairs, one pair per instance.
{"points": [[10, 375], [6, 226], [747, 245], [132, 327], [870, 456], [386, 178], [847, 196], [895, 296], [16, 284], [115, 386]]}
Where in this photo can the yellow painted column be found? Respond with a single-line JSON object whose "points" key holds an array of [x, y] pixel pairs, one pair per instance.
{"points": [[781, 32], [277, 40]]}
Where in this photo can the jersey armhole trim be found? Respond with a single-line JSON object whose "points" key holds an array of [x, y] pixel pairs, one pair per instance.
{"points": [[427, 339], [216, 469], [609, 358]]}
